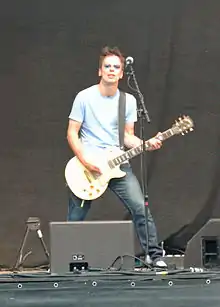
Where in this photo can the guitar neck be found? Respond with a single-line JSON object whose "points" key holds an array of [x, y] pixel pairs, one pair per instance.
{"points": [[131, 153]]}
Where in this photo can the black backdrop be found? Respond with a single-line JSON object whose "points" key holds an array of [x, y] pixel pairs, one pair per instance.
{"points": [[49, 51]]}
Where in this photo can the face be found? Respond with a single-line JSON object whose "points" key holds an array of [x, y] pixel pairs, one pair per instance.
{"points": [[111, 70]]}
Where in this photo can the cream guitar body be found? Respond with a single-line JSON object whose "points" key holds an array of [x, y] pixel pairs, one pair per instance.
{"points": [[87, 185]]}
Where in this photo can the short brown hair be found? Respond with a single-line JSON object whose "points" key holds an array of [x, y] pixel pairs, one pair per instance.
{"points": [[106, 51]]}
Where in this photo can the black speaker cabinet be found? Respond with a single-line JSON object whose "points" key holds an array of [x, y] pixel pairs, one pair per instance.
{"points": [[90, 244], [203, 250]]}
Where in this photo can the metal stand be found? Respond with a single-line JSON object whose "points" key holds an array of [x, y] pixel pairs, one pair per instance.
{"points": [[33, 224], [143, 116]]}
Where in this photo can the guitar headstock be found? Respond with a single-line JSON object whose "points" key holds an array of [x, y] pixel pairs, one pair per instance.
{"points": [[183, 125]]}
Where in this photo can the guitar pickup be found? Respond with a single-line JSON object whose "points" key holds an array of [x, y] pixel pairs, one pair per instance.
{"points": [[88, 176]]}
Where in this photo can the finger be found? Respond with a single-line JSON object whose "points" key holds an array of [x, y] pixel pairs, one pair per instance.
{"points": [[97, 170], [158, 143]]}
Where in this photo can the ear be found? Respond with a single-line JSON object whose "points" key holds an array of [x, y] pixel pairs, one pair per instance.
{"points": [[100, 73], [121, 75]]}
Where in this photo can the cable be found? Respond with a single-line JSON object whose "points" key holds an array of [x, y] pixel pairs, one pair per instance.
{"points": [[122, 257]]}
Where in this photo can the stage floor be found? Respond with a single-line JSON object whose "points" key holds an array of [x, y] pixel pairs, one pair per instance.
{"points": [[125, 288]]}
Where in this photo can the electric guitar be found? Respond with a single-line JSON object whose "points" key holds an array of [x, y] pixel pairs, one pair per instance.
{"points": [[91, 185]]}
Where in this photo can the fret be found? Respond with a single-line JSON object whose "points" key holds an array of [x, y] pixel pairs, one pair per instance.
{"points": [[138, 150], [116, 161], [167, 134], [123, 158], [133, 152], [129, 154]]}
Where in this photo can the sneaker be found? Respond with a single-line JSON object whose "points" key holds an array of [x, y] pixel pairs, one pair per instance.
{"points": [[160, 264]]}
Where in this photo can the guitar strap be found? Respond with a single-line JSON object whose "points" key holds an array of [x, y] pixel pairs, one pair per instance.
{"points": [[121, 118]]}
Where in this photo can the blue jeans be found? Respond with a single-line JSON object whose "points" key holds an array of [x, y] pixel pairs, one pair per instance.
{"points": [[129, 192]]}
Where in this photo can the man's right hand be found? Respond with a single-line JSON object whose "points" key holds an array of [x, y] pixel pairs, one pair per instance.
{"points": [[91, 167]]}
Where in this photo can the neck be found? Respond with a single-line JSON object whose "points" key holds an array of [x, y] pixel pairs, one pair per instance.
{"points": [[107, 89]]}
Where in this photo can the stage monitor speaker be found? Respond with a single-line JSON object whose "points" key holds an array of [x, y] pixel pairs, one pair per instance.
{"points": [[90, 245], [203, 250]]}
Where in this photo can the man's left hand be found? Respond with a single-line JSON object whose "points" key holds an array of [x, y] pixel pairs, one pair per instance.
{"points": [[154, 143]]}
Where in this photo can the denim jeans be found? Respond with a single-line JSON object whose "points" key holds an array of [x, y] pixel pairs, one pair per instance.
{"points": [[129, 192]]}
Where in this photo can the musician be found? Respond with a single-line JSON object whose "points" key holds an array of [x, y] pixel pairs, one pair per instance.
{"points": [[93, 129]]}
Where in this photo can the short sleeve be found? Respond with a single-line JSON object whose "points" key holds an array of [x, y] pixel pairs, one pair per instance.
{"points": [[131, 109], [77, 112]]}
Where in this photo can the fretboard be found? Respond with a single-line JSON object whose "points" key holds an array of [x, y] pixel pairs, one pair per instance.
{"points": [[131, 153]]}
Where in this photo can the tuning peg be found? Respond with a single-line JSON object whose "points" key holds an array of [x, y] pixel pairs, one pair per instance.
{"points": [[191, 129], [183, 133]]}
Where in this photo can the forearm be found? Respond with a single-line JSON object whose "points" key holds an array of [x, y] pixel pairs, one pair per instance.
{"points": [[131, 140], [75, 144]]}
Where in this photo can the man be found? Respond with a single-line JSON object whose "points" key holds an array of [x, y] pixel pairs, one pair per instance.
{"points": [[93, 129]]}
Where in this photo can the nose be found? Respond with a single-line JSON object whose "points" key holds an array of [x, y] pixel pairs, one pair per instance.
{"points": [[112, 68]]}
